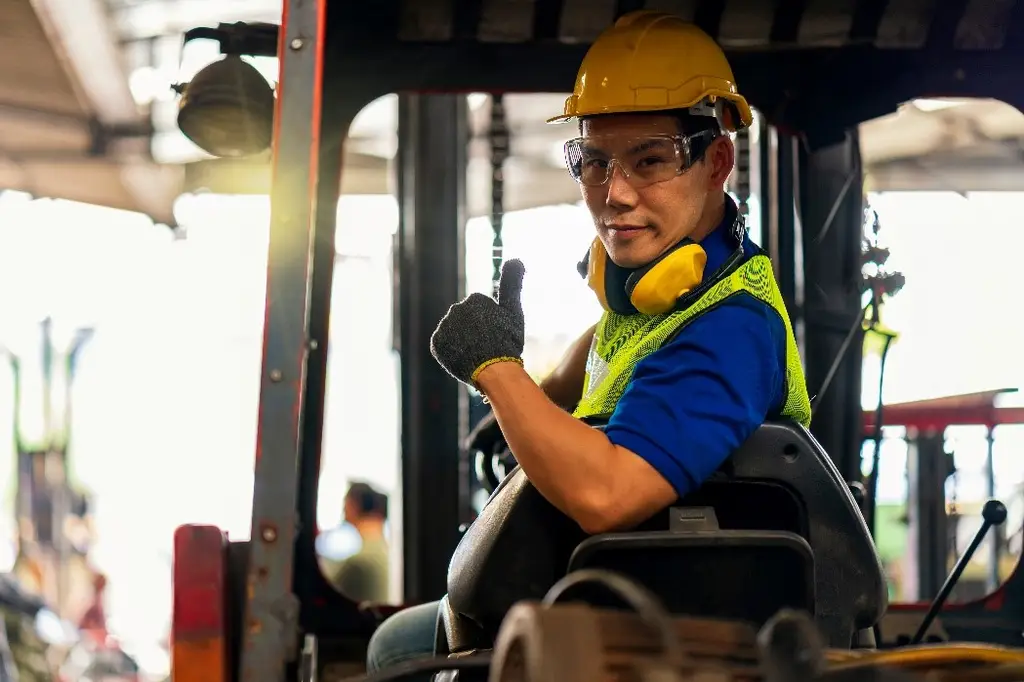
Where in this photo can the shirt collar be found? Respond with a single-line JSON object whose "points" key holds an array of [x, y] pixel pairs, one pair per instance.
{"points": [[720, 244]]}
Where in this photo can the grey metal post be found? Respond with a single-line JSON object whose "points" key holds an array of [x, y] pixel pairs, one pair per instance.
{"points": [[433, 137]]}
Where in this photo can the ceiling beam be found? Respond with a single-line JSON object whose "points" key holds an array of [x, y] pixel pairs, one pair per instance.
{"points": [[81, 33], [928, 175]]}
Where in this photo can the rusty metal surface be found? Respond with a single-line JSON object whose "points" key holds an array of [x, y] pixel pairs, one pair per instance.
{"points": [[270, 633], [579, 643]]}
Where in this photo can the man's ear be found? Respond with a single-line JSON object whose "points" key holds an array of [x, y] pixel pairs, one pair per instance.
{"points": [[721, 159]]}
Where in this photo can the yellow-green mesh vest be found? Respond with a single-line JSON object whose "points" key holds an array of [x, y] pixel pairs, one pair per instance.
{"points": [[622, 341]]}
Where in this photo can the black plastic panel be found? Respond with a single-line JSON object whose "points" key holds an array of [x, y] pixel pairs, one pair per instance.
{"points": [[849, 582], [744, 575]]}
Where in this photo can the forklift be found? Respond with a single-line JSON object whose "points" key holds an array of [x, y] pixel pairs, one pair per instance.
{"points": [[260, 611]]}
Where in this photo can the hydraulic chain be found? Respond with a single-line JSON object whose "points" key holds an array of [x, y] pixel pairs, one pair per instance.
{"points": [[739, 183], [499, 141]]}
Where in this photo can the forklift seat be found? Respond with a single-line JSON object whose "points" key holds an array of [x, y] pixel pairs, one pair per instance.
{"points": [[776, 526]]}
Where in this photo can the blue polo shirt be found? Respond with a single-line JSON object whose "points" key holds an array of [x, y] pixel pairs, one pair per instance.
{"points": [[694, 401]]}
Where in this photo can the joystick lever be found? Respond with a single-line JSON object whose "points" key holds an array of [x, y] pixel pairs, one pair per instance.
{"points": [[992, 514]]}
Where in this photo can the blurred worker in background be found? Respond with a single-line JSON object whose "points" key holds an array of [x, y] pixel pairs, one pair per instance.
{"points": [[364, 575], [694, 350]]}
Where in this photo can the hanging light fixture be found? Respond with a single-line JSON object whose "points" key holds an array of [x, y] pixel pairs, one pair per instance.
{"points": [[227, 109]]}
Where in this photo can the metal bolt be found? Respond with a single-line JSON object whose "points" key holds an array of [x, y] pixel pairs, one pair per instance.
{"points": [[313, 344], [269, 534], [297, 43], [276, 375]]}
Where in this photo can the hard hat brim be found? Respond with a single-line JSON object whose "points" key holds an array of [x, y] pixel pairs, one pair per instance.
{"points": [[742, 109]]}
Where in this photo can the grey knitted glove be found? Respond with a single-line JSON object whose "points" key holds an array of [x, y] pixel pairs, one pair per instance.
{"points": [[479, 331]]}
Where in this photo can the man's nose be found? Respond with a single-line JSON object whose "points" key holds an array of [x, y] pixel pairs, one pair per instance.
{"points": [[620, 192]]}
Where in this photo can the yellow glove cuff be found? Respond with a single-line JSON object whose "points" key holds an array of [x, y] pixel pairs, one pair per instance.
{"points": [[493, 361]]}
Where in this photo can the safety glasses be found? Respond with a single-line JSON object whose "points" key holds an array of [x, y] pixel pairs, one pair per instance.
{"points": [[643, 160]]}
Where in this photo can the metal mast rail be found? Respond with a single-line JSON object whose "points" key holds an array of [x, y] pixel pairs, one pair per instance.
{"points": [[269, 628]]}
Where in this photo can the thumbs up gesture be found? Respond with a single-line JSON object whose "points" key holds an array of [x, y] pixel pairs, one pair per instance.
{"points": [[479, 331]]}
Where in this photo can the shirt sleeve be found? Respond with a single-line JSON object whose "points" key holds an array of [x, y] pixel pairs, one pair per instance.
{"points": [[694, 401]]}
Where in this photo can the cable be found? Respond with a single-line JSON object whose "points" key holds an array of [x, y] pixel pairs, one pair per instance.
{"points": [[1013, 672], [436, 664], [636, 597], [876, 460], [858, 324], [929, 654], [876, 457]]}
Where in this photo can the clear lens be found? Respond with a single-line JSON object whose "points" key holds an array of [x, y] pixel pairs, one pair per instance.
{"points": [[643, 160]]}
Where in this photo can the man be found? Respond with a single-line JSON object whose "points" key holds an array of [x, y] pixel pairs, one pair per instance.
{"points": [[695, 348], [364, 575]]}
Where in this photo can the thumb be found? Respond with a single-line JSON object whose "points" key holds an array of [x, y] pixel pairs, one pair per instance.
{"points": [[510, 286]]}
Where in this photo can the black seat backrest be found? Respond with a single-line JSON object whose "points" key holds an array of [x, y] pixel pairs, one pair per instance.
{"points": [[516, 549], [520, 544], [850, 588], [741, 504]]}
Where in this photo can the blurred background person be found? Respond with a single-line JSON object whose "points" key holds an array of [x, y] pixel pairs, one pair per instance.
{"points": [[364, 575]]}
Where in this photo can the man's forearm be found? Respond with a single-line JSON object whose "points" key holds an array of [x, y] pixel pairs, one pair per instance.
{"points": [[557, 452], [575, 467]]}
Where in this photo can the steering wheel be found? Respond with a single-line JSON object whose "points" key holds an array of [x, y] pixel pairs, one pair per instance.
{"points": [[491, 468]]}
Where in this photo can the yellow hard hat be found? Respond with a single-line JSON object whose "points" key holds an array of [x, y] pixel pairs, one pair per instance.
{"points": [[652, 61]]}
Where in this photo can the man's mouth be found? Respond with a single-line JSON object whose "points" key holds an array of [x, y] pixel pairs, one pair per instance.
{"points": [[626, 230]]}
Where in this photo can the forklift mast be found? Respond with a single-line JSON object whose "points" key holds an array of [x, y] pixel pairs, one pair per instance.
{"points": [[813, 96], [262, 633], [207, 637]]}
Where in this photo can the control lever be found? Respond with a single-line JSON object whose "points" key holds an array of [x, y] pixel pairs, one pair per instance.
{"points": [[992, 514]]}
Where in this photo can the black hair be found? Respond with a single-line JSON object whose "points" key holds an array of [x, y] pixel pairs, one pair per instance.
{"points": [[368, 499]]}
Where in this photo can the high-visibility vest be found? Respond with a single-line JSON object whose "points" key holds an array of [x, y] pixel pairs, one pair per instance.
{"points": [[622, 341]]}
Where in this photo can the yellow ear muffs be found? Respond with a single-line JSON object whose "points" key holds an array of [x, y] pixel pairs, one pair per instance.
{"points": [[655, 288], [652, 289]]}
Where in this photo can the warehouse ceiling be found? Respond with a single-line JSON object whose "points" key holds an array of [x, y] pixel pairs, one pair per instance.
{"points": [[68, 124], [86, 113]]}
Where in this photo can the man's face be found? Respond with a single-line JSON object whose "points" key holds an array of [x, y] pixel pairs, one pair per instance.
{"points": [[637, 221]]}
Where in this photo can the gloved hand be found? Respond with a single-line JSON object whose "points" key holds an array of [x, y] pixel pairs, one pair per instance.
{"points": [[479, 331]]}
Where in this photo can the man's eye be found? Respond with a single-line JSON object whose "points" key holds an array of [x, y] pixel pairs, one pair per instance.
{"points": [[595, 163], [648, 161]]}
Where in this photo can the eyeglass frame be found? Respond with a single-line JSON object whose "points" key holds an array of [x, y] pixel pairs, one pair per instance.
{"points": [[680, 141]]}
